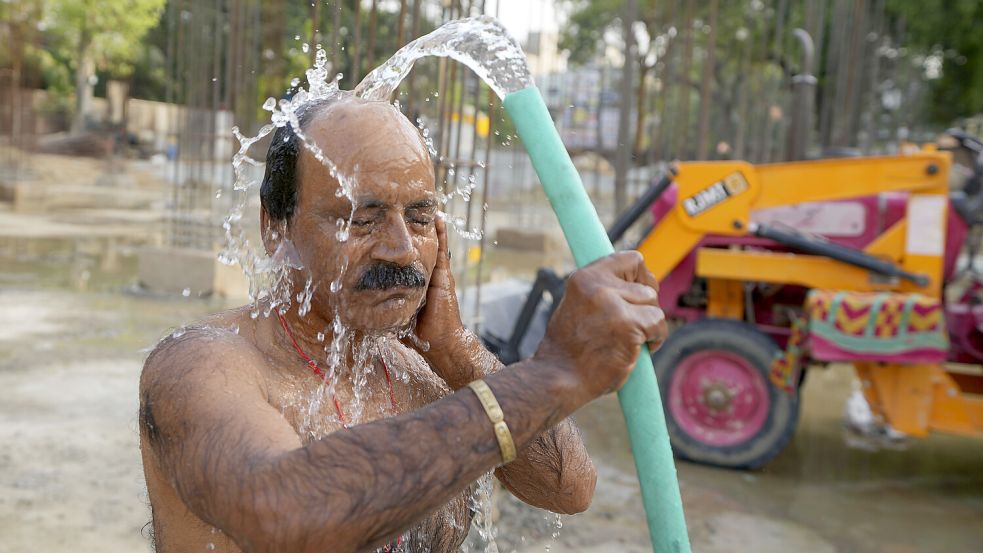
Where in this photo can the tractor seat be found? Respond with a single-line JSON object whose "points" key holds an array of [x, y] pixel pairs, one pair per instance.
{"points": [[969, 208], [880, 326]]}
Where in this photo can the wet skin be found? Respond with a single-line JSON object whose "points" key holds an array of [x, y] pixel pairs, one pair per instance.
{"points": [[222, 413], [393, 219]]}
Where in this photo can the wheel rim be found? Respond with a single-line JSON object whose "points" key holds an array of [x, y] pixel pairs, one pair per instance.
{"points": [[718, 398]]}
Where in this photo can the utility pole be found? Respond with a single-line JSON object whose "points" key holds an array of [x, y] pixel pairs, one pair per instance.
{"points": [[623, 148]]}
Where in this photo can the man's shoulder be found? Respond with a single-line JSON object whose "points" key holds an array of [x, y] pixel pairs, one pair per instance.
{"points": [[202, 349]]}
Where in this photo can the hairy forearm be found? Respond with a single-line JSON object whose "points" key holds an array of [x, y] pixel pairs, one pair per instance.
{"points": [[359, 487], [553, 471]]}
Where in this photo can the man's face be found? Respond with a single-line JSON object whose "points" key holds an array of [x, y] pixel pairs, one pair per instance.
{"points": [[385, 264]]}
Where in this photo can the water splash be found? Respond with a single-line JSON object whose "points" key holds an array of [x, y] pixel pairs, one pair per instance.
{"points": [[270, 281], [482, 43], [304, 298], [483, 513], [460, 226]]}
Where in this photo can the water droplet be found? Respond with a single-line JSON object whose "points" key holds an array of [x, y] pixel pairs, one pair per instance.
{"points": [[305, 47], [186, 292], [214, 79], [269, 104], [210, 546]]}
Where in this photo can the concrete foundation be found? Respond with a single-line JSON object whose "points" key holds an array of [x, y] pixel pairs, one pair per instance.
{"points": [[530, 248], [190, 272], [23, 196], [528, 240]]}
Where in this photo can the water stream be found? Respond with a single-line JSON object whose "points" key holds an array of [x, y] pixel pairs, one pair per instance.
{"points": [[483, 45]]}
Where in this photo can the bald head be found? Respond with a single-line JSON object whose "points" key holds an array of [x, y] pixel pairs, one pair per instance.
{"points": [[353, 133]]}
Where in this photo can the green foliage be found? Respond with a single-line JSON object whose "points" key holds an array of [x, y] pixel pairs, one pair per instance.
{"points": [[56, 77], [583, 35], [148, 80], [948, 31], [109, 30], [930, 31]]}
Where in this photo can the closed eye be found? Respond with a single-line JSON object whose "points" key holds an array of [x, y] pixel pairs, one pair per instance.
{"points": [[421, 213]]}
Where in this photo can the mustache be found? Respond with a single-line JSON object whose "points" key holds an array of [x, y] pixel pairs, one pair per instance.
{"points": [[383, 276]]}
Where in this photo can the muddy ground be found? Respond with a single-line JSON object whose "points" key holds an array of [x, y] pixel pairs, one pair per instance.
{"points": [[74, 331]]}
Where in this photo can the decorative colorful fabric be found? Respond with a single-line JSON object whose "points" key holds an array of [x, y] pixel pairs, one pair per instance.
{"points": [[865, 326], [786, 366]]}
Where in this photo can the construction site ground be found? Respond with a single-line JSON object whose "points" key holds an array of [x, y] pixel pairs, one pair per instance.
{"points": [[75, 328]]}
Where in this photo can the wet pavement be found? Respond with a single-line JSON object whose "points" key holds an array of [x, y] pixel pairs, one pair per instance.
{"points": [[74, 331], [825, 492]]}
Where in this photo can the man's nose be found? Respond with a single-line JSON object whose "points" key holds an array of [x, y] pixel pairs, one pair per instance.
{"points": [[396, 243]]}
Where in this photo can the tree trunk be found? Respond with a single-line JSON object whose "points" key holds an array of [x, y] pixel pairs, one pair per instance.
{"points": [[682, 128], [315, 27], [703, 137], [84, 70], [640, 112], [16, 94], [622, 152], [356, 52], [370, 48]]}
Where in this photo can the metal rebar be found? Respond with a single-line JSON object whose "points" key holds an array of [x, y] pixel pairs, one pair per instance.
{"points": [[623, 148]]}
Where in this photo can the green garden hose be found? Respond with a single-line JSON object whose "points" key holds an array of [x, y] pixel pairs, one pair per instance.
{"points": [[640, 401]]}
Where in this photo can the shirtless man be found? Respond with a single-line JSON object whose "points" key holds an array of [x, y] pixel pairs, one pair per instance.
{"points": [[241, 455]]}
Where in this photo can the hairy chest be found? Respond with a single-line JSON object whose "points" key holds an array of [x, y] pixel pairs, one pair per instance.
{"points": [[383, 388]]}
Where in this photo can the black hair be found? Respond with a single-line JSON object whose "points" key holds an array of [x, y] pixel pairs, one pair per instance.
{"points": [[278, 193]]}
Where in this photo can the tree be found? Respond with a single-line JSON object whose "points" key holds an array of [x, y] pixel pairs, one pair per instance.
{"points": [[93, 34], [947, 32], [664, 30], [593, 26]]}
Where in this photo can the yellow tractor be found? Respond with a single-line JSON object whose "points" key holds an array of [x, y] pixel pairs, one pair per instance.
{"points": [[772, 268]]}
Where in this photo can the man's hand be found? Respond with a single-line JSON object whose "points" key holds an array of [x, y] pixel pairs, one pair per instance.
{"points": [[441, 334], [610, 308]]}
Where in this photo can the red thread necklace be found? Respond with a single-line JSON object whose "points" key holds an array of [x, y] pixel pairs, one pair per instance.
{"points": [[317, 370], [341, 415]]}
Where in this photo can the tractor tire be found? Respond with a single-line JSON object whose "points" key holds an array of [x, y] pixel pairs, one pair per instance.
{"points": [[721, 407]]}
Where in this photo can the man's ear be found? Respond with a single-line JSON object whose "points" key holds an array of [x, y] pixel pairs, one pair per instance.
{"points": [[270, 230]]}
